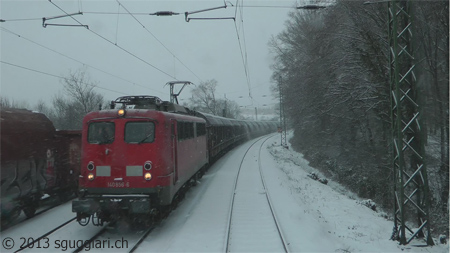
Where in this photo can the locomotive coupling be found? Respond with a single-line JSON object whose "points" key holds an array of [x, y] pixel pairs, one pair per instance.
{"points": [[86, 206], [141, 206], [81, 193]]}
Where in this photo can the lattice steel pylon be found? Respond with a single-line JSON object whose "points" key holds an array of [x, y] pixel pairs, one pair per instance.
{"points": [[411, 190]]}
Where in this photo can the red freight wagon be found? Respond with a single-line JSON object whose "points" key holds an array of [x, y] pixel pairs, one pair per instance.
{"points": [[31, 152]]}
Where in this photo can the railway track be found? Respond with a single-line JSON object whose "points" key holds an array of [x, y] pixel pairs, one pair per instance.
{"points": [[103, 238], [132, 238], [30, 244], [5, 226], [253, 227], [141, 239]]}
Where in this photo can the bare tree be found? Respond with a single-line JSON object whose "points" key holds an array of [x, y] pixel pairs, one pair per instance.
{"points": [[8, 103], [42, 107], [204, 98], [332, 68], [80, 88], [228, 108], [434, 49], [78, 99]]}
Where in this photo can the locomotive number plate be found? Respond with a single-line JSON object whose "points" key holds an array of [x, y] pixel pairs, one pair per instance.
{"points": [[118, 184]]}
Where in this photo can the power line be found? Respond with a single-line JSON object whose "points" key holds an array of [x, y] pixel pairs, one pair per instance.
{"points": [[53, 75], [144, 13], [115, 44], [245, 47], [19, 19], [115, 13], [268, 6], [80, 6], [73, 59], [143, 26], [244, 58], [149, 13]]}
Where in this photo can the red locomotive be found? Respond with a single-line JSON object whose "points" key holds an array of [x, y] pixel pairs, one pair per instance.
{"points": [[139, 157], [35, 160]]}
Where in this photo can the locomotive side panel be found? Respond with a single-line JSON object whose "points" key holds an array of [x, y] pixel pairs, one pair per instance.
{"points": [[191, 148]]}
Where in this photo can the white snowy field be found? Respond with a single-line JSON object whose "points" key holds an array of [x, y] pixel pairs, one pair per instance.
{"points": [[314, 217]]}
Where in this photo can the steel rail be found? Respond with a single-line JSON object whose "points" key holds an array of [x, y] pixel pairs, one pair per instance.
{"points": [[230, 216], [266, 191], [6, 226], [102, 231], [45, 235], [230, 212], [146, 233]]}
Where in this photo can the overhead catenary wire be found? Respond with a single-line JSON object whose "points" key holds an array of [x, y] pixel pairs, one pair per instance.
{"points": [[61, 77], [78, 61], [19, 19], [111, 42], [117, 25], [148, 13], [268, 6], [115, 13], [45, 19], [162, 44], [243, 55], [187, 13], [141, 13], [80, 6], [240, 34], [245, 47]]}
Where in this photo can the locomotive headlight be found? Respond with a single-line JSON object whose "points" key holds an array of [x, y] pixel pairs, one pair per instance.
{"points": [[90, 176], [148, 165], [90, 165], [121, 112], [147, 176]]}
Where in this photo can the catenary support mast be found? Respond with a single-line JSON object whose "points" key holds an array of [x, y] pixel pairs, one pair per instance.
{"points": [[411, 190]]}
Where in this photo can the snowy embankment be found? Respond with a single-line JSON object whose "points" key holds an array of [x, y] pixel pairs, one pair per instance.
{"points": [[327, 217], [314, 217]]}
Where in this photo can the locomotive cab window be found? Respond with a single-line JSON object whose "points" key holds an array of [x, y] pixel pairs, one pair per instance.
{"points": [[139, 132], [101, 132]]}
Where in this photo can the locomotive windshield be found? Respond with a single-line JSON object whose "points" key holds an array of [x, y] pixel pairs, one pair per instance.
{"points": [[139, 132], [101, 132]]}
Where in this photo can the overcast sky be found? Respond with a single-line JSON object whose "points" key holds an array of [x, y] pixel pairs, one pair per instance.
{"points": [[124, 58]]}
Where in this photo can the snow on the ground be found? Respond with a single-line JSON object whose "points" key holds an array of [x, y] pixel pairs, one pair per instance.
{"points": [[314, 217], [18, 236], [326, 217]]}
